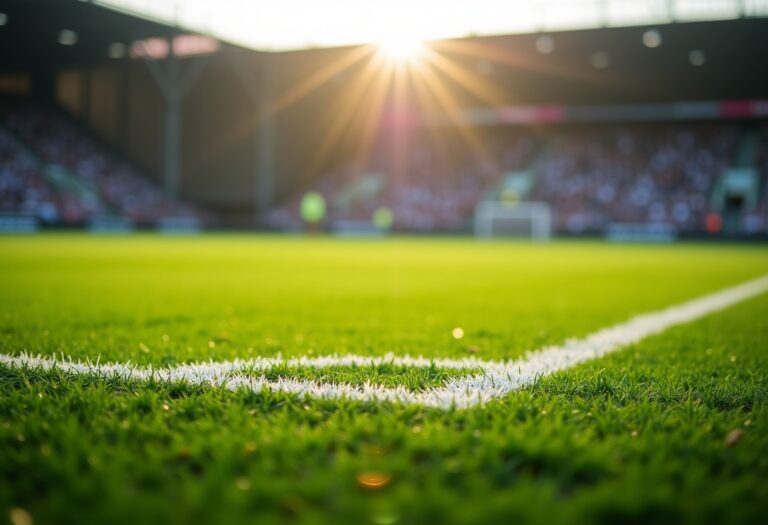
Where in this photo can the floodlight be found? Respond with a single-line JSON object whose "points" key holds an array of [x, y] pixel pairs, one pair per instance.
{"points": [[67, 37]]}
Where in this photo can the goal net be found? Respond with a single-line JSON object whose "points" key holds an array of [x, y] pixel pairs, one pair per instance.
{"points": [[521, 219]]}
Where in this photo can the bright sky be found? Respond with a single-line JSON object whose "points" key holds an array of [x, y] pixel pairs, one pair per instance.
{"points": [[290, 24]]}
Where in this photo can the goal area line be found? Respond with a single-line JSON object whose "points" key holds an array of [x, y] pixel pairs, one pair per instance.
{"points": [[494, 379]]}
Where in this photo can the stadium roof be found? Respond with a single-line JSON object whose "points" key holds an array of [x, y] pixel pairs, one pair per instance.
{"points": [[47, 33], [295, 24]]}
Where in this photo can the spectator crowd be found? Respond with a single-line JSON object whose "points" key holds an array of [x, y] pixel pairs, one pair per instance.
{"points": [[592, 176], [652, 174], [56, 171], [23, 189]]}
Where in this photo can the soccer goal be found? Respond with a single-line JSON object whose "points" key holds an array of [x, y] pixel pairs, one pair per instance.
{"points": [[521, 219]]}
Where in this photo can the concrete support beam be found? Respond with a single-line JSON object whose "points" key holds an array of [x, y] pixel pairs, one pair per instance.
{"points": [[174, 80], [259, 84]]}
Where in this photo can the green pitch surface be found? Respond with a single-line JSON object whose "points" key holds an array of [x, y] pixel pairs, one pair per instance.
{"points": [[672, 429]]}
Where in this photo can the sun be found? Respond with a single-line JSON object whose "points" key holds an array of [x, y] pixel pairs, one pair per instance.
{"points": [[400, 48]]}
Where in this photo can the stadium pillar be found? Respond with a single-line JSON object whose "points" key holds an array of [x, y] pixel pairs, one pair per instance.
{"points": [[265, 141], [124, 78], [172, 143], [86, 78], [174, 83], [259, 84], [44, 86]]}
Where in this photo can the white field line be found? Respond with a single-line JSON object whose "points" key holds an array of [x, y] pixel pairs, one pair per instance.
{"points": [[496, 378]]}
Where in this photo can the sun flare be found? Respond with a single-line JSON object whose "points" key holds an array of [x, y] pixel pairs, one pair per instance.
{"points": [[400, 47]]}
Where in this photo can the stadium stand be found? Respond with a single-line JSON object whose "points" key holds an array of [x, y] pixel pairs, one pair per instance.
{"points": [[436, 189], [634, 175], [23, 189], [593, 176], [53, 169], [757, 220]]}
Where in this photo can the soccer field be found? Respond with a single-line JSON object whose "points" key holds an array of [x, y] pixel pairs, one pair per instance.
{"points": [[668, 428]]}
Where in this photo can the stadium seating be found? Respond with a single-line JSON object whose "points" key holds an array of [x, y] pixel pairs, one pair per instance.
{"points": [[437, 190], [23, 189], [634, 175], [592, 176], [53, 169]]}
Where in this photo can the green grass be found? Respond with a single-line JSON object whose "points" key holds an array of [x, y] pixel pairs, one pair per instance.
{"points": [[637, 437]]}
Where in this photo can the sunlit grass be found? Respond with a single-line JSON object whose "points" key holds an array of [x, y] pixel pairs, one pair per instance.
{"points": [[636, 437]]}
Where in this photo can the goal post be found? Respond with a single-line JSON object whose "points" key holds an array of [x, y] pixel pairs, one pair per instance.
{"points": [[521, 219]]}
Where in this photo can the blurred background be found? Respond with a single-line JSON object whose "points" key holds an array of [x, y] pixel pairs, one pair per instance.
{"points": [[631, 120]]}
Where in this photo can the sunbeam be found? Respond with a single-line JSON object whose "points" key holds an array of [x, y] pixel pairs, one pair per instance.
{"points": [[482, 88], [518, 60], [294, 94], [451, 110], [350, 103]]}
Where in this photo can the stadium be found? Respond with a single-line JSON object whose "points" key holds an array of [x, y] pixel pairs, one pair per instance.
{"points": [[388, 263]]}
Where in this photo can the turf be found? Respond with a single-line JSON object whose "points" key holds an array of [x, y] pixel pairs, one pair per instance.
{"points": [[637, 437]]}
